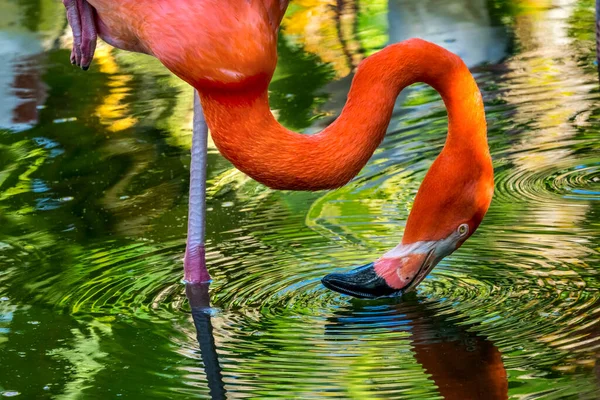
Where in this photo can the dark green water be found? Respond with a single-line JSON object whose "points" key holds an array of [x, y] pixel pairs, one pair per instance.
{"points": [[93, 205]]}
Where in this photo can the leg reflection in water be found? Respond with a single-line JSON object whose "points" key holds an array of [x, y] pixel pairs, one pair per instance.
{"points": [[462, 364], [199, 299]]}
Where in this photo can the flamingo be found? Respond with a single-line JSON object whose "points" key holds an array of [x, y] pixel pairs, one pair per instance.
{"points": [[226, 49]]}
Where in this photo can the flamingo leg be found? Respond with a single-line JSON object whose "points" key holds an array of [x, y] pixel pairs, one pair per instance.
{"points": [[195, 262], [81, 19]]}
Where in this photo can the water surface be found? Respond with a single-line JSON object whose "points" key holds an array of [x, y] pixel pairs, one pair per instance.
{"points": [[93, 207]]}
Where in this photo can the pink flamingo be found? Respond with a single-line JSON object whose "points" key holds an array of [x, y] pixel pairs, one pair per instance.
{"points": [[226, 49]]}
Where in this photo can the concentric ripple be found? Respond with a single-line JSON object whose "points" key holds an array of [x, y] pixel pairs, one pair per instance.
{"points": [[551, 182], [581, 183]]}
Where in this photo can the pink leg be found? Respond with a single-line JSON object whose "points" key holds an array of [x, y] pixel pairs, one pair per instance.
{"points": [[81, 19], [194, 263]]}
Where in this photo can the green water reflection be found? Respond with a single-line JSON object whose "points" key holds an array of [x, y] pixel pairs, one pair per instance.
{"points": [[93, 207]]}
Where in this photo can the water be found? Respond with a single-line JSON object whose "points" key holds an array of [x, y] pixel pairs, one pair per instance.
{"points": [[93, 205]]}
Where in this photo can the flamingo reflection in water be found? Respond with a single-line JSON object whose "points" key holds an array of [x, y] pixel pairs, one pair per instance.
{"points": [[462, 364]]}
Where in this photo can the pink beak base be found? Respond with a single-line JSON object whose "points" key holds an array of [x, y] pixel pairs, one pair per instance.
{"points": [[398, 273]]}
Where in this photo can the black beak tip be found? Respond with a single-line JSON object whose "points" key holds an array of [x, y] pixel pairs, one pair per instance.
{"points": [[362, 282]]}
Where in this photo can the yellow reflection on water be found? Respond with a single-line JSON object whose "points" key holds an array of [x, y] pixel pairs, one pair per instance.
{"points": [[327, 31], [113, 111]]}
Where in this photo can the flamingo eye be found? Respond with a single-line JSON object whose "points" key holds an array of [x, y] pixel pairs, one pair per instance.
{"points": [[463, 229]]}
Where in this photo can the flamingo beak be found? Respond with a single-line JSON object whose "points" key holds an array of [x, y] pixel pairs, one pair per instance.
{"points": [[362, 282], [385, 277]]}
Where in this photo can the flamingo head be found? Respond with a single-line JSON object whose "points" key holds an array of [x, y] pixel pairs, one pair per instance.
{"points": [[448, 208]]}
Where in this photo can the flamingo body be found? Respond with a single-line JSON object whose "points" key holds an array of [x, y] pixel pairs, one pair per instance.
{"points": [[227, 51]]}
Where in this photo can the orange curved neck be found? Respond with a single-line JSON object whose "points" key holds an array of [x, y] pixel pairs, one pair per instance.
{"points": [[246, 133]]}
